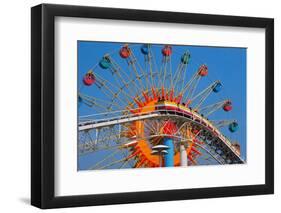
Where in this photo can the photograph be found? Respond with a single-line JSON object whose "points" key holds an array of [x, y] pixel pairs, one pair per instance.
{"points": [[160, 105]]}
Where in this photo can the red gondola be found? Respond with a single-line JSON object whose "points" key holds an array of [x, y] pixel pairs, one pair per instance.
{"points": [[125, 51], [227, 106], [203, 70], [89, 78], [167, 50]]}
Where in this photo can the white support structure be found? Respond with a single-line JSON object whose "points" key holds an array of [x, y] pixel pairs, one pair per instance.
{"points": [[183, 155]]}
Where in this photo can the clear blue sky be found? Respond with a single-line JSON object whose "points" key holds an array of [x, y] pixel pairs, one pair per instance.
{"points": [[225, 64]]}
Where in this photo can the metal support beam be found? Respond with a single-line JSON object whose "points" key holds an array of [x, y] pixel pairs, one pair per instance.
{"points": [[169, 157], [183, 156]]}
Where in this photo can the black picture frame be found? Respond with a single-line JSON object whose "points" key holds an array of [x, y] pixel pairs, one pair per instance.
{"points": [[43, 102]]}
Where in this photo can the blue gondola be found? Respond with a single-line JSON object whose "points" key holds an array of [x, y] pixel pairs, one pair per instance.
{"points": [[80, 101], [217, 87], [104, 63], [144, 49], [233, 127], [185, 58]]}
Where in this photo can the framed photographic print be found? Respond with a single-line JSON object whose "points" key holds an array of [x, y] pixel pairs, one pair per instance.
{"points": [[140, 106]]}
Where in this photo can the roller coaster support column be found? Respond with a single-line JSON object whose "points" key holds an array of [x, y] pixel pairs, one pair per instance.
{"points": [[169, 157], [183, 155], [160, 150]]}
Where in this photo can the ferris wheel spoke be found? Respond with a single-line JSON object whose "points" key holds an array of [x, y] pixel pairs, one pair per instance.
{"points": [[157, 69], [110, 87], [125, 154], [111, 155], [124, 164], [169, 77], [191, 85], [194, 81], [127, 53], [222, 123], [123, 85], [165, 61], [109, 93], [116, 68], [179, 77], [137, 65], [203, 95], [112, 163], [185, 58], [210, 109], [149, 63], [99, 104]]}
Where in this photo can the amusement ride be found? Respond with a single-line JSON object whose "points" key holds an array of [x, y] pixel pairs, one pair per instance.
{"points": [[150, 114]]}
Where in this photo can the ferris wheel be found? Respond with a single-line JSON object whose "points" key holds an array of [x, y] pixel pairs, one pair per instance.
{"points": [[147, 110]]}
